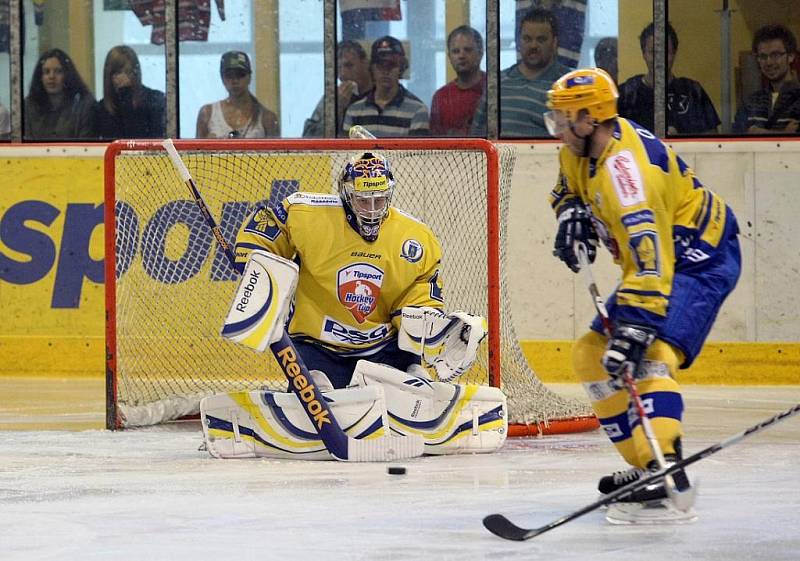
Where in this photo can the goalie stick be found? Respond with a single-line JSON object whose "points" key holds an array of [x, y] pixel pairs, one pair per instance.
{"points": [[501, 526], [683, 500], [341, 446]]}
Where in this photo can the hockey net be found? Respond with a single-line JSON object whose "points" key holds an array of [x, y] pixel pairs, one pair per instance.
{"points": [[169, 285]]}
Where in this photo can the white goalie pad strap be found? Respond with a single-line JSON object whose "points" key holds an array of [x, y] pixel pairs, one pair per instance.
{"points": [[259, 309], [256, 424], [448, 342], [452, 418], [603, 389]]}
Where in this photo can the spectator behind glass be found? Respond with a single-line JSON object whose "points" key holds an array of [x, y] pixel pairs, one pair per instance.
{"points": [[356, 81], [689, 109], [240, 115], [776, 108], [59, 105], [523, 86], [605, 56], [453, 106], [5, 123], [388, 109], [128, 108]]}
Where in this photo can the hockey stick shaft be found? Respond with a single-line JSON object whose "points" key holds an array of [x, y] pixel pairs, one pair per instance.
{"points": [[681, 502], [314, 404], [503, 527]]}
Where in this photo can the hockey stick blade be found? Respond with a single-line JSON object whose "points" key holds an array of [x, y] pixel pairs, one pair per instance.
{"points": [[384, 449], [501, 526]]}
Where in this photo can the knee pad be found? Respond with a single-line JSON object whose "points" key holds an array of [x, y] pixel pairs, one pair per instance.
{"points": [[452, 418], [275, 425], [611, 403]]}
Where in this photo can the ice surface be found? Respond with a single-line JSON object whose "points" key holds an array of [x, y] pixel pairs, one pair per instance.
{"points": [[151, 495]]}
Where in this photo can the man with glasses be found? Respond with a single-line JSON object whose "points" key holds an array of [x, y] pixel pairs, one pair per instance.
{"points": [[775, 109]]}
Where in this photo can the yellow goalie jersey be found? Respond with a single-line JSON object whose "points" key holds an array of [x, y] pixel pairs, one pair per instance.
{"points": [[350, 292], [651, 212]]}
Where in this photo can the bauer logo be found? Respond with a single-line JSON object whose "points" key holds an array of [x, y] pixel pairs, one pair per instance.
{"points": [[358, 287], [411, 251]]}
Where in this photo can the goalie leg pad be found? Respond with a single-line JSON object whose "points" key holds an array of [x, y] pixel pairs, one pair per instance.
{"points": [[452, 418], [267, 424]]}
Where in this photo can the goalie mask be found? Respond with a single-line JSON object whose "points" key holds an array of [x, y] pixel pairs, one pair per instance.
{"points": [[366, 187]]}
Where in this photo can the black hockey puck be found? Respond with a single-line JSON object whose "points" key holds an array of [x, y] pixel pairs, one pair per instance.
{"points": [[396, 470]]}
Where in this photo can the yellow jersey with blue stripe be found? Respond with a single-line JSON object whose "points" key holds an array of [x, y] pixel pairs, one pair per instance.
{"points": [[350, 292], [650, 210]]}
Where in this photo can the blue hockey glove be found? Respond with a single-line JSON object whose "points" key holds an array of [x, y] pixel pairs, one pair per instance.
{"points": [[628, 345], [575, 225]]}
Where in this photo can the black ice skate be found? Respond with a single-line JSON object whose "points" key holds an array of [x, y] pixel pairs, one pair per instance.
{"points": [[650, 504]]}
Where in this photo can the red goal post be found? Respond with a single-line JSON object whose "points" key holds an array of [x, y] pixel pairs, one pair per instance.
{"points": [[168, 288]]}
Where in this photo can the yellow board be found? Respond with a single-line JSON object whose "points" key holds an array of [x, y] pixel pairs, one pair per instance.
{"points": [[718, 363], [51, 266]]}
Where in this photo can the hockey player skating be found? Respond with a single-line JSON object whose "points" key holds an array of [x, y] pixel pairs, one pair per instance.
{"points": [[367, 314], [676, 244]]}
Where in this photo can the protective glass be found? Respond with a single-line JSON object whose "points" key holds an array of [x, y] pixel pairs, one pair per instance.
{"points": [[556, 122]]}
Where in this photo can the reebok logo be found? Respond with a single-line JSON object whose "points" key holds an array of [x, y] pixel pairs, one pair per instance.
{"points": [[241, 306], [303, 386]]}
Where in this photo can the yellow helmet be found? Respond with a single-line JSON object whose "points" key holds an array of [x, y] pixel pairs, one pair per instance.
{"points": [[591, 89]]}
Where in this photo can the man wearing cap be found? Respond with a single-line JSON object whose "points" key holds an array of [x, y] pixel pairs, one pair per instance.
{"points": [[388, 109], [240, 115]]}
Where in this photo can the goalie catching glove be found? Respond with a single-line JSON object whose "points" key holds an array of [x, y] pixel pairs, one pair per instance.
{"points": [[447, 342]]}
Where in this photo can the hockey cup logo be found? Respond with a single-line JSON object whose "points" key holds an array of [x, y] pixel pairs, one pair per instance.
{"points": [[359, 286]]}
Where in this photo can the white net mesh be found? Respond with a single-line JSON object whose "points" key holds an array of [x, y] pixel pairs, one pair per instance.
{"points": [[174, 285]]}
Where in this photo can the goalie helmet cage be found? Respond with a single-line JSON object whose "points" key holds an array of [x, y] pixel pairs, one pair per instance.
{"points": [[168, 284]]}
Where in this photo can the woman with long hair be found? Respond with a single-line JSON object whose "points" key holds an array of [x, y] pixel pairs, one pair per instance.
{"points": [[58, 105], [128, 108], [240, 115]]}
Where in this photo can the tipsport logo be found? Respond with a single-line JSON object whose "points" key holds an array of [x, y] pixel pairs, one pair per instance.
{"points": [[358, 287], [31, 245]]}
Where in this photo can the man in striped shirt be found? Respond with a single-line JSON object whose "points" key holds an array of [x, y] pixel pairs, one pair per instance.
{"points": [[388, 109], [523, 87], [774, 109]]}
